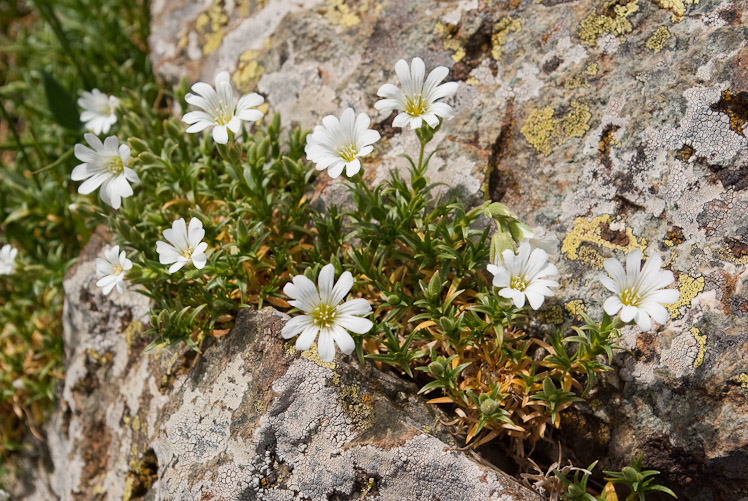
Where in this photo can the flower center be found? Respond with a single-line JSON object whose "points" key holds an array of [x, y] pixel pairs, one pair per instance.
{"points": [[117, 269], [187, 254], [415, 106], [630, 297], [323, 315], [348, 153], [104, 109], [518, 283], [224, 113], [115, 165]]}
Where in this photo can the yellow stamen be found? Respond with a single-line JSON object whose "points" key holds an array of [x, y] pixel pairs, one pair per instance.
{"points": [[323, 315], [416, 106], [518, 283]]}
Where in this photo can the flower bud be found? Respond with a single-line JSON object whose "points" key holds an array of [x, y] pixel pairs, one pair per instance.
{"points": [[488, 406], [436, 368]]}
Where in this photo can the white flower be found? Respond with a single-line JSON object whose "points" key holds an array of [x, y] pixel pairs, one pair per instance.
{"points": [[111, 270], [416, 102], [186, 245], [521, 275], [219, 110], [540, 239], [338, 144], [98, 111], [638, 290], [7, 260], [324, 315], [105, 166]]}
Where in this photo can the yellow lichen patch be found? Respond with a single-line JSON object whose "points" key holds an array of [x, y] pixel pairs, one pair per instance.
{"points": [[210, 25], [248, 71], [338, 12], [579, 244], [132, 330], [450, 42], [743, 380], [541, 130], [657, 41], [576, 122], [689, 288], [575, 308], [472, 81], [677, 7], [501, 30], [575, 82], [701, 343], [594, 25], [313, 355], [591, 69], [552, 314]]}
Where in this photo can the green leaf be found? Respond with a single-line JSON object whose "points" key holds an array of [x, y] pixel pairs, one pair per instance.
{"points": [[60, 103]]}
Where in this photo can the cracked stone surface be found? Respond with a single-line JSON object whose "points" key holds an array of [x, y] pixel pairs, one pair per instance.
{"points": [[616, 126], [249, 419]]}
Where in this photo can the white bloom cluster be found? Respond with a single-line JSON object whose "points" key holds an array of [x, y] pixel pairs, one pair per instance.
{"points": [[104, 165], [111, 270], [8, 260], [218, 110], [98, 111], [323, 313], [639, 292]]}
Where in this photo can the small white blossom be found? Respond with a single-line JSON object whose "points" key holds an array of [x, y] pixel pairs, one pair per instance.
{"points": [[186, 245], [218, 107], [639, 291], [98, 111], [105, 165], [8, 260], [417, 100], [541, 239], [338, 144], [521, 276], [323, 313], [111, 270]]}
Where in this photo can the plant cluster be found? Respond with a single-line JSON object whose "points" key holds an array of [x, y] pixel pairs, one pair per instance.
{"points": [[51, 53], [205, 225]]}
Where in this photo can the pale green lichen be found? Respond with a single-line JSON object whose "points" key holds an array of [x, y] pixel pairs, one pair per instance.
{"points": [[594, 25], [657, 41], [577, 122], [575, 308], [701, 343], [541, 129], [689, 288], [450, 42], [581, 242], [501, 30], [211, 25], [677, 7]]}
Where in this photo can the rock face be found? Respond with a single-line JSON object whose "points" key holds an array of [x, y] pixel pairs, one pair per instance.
{"points": [[248, 419], [616, 125]]}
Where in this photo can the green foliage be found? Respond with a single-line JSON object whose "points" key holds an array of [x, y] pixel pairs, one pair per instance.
{"points": [[51, 52], [637, 480]]}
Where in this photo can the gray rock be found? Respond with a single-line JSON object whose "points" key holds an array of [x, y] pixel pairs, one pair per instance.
{"points": [[250, 418], [614, 126]]}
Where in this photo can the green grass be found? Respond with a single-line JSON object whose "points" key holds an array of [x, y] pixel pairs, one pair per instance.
{"points": [[51, 51]]}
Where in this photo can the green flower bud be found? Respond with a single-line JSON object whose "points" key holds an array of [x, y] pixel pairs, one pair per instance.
{"points": [[436, 368], [631, 475], [488, 406], [575, 491]]}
